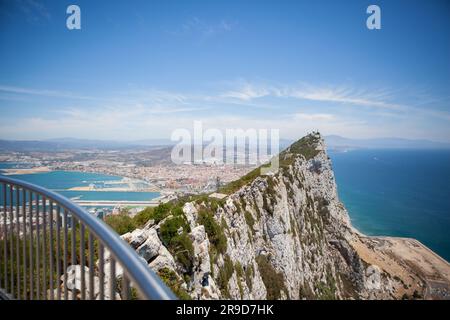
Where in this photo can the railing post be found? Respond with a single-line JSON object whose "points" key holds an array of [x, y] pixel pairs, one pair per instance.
{"points": [[11, 240], [24, 243], [5, 241], [18, 277], [30, 217], [51, 258], [44, 247]]}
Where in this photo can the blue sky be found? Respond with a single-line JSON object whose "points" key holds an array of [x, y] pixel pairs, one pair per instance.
{"points": [[140, 69]]}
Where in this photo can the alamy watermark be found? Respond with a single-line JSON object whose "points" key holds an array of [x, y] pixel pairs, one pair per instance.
{"points": [[373, 22], [234, 146], [73, 21]]}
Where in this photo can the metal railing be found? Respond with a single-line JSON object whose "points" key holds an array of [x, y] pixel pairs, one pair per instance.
{"points": [[50, 248]]}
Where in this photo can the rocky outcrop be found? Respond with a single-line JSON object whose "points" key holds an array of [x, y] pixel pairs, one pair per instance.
{"points": [[284, 235]]}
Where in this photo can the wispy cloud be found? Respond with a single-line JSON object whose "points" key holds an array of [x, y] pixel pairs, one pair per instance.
{"points": [[151, 101], [294, 109], [43, 92], [248, 92], [34, 11], [345, 95], [339, 94], [199, 27], [313, 116]]}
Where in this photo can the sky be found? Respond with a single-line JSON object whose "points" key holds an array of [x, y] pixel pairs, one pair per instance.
{"points": [[141, 69]]}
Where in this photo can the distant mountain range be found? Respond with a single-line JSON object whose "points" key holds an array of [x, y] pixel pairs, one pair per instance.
{"points": [[73, 143], [333, 142]]}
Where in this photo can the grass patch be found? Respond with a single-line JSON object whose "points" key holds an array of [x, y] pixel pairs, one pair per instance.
{"points": [[225, 274], [235, 185], [214, 230], [178, 243], [174, 283], [121, 223], [249, 276], [273, 280], [250, 221]]}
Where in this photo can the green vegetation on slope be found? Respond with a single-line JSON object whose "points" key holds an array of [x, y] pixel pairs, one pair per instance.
{"points": [[225, 274], [174, 235], [250, 221], [123, 223], [306, 147], [173, 232], [174, 283], [214, 230], [233, 186], [273, 280]]}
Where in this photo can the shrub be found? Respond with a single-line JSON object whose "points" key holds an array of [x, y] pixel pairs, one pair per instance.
{"points": [[239, 270], [180, 245], [306, 146], [160, 212], [250, 221], [169, 229], [121, 223], [143, 217], [214, 231], [224, 224], [225, 274], [237, 184], [273, 280], [183, 250], [157, 213], [327, 290], [249, 276], [174, 283]]}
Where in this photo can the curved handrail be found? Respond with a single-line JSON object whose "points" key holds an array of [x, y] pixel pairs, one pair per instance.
{"points": [[149, 284]]}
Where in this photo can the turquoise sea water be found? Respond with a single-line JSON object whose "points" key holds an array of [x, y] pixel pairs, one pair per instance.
{"points": [[60, 181], [403, 193]]}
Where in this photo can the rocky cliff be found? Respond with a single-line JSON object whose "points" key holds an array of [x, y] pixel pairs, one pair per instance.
{"points": [[280, 236]]}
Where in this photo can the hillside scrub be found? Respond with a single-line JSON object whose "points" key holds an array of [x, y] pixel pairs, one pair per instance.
{"points": [[273, 280]]}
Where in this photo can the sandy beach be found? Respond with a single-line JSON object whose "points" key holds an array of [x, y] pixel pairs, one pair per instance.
{"points": [[15, 171]]}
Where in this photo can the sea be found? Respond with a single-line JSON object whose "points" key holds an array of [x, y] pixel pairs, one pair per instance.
{"points": [[61, 181], [401, 193]]}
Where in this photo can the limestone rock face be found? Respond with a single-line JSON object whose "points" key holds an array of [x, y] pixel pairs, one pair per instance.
{"points": [[191, 213], [150, 247], [287, 237], [373, 277], [137, 237], [163, 260], [74, 278]]}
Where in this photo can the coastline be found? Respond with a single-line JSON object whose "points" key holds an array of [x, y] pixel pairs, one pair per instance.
{"points": [[415, 267], [18, 171], [411, 263], [45, 169]]}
